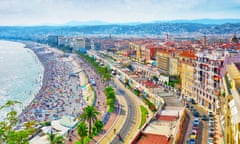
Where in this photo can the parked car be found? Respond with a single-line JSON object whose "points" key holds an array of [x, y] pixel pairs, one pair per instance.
{"points": [[196, 114], [211, 135], [194, 131], [211, 125], [195, 128], [195, 123], [187, 105], [192, 141], [211, 129], [194, 110], [210, 114], [193, 101], [193, 136], [204, 117], [210, 141], [211, 118]]}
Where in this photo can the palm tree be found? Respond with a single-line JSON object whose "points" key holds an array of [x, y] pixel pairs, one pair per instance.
{"points": [[55, 139], [98, 126], [82, 131], [10, 104], [90, 115]]}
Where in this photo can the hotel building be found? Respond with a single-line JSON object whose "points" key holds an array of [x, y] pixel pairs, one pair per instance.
{"points": [[232, 104]]}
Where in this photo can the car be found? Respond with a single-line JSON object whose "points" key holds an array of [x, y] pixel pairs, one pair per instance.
{"points": [[211, 129], [196, 124], [192, 141], [210, 114], [193, 136], [193, 101], [191, 108], [211, 126], [194, 110], [204, 117], [195, 128], [211, 123], [210, 141], [187, 105], [211, 135], [196, 120], [196, 114], [211, 118], [194, 131]]}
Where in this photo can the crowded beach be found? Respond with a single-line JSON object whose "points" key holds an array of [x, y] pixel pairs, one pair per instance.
{"points": [[61, 93]]}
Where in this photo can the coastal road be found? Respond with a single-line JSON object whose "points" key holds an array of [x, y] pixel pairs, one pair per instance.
{"points": [[131, 125], [117, 125]]}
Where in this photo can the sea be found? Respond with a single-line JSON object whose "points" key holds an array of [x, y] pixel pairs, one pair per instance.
{"points": [[21, 75]]}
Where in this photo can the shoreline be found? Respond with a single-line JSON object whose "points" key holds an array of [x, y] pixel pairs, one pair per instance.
{"points": [[58, 95]]}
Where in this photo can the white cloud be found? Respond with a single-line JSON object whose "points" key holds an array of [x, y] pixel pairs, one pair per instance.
{"points": [[61, 11]]}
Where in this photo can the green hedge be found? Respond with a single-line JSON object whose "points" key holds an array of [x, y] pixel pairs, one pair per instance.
{"points": [[144, 112]]}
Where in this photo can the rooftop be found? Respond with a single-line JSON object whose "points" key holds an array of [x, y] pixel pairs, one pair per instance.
{"points": [[167, 118], [160, 127], [188, 54], [152, 139]]}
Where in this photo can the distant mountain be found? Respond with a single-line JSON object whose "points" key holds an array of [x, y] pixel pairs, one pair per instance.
{"points": [[202, 21], [99, 23], [142, 29], [85, 23]]}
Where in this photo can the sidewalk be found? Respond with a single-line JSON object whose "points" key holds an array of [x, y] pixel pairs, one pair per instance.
{"points": [[218, 135], [117, 125]]}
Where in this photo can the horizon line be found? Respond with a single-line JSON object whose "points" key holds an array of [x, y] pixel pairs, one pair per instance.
{"points": [[102, 22]]}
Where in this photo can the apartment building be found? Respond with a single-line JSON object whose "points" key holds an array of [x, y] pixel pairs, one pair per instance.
{"points": [[209, 67], [173, 66], [232, 104], [186, 60], [163, 61]]}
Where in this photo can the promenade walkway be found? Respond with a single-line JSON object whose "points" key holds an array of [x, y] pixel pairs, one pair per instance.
{"points": [[117, 125], [136, 120]]}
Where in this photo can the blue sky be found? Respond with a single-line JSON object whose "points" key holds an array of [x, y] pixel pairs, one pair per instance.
{"points": [[37, 12]]}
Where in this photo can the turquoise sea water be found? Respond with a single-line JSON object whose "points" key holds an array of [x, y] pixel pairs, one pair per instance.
{"points": [[21, 74]]}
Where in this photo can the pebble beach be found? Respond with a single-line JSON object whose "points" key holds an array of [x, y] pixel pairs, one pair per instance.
{"points": [[60, 94]]}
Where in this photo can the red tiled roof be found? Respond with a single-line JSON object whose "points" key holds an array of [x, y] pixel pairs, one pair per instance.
{"points": [[152, 139], [167, 118], [169, 43], [188, 54], [149, 84], [227, 45]]}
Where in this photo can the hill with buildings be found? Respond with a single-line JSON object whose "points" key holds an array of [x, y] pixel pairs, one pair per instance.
{"points": [[156, 29]]}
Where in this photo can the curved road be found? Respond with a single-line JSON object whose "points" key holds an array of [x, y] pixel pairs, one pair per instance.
{"points": [[130, 127]]}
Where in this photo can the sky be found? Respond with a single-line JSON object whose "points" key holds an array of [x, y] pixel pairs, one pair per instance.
{"points": [[46, 12]]}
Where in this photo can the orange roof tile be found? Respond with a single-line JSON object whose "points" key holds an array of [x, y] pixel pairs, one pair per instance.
{"points": [[149, 84], [152, 139], [188, 54], [167, 118]]}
